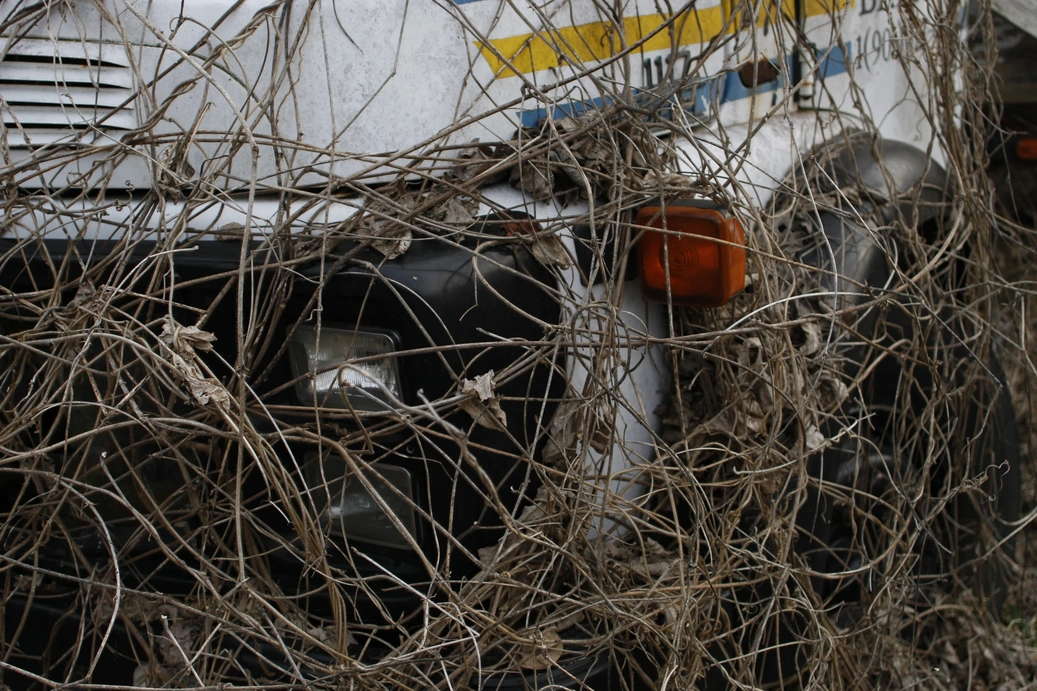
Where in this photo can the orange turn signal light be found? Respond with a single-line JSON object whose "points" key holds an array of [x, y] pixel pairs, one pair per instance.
{"points": [[1026, 149], [691, 254]]}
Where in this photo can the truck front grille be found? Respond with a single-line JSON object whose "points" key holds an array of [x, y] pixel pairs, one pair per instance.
{"points": [[65, 92]]}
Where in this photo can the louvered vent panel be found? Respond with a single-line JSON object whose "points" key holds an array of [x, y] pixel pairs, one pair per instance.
{"points": [[65, 92]]}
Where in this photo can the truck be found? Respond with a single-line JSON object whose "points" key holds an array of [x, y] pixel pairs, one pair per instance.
{"points": [[487, 344]]}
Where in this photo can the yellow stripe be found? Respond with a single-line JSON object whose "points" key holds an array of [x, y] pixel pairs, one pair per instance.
{"points": [[551, 47], [774, 9], [816, 8], [596, 41]]}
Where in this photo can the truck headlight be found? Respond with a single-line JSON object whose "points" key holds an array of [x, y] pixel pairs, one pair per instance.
{"points": [[354, 512], [334, 366]]}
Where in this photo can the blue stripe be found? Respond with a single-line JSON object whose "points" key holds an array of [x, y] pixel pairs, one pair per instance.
{"points": [[833, 61], [698, 99], [574, 109]]}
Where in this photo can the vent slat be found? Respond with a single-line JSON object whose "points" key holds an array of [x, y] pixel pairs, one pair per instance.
{"points": [[50, 60], [24, 95], [69, 52], [104, 118], [17, 139], [63, 75]]}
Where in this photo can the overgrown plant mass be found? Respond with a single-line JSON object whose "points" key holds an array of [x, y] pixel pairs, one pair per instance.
{"points": [[325, 361]]}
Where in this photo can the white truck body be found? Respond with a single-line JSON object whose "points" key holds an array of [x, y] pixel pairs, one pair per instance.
{"points": [[369, 89], [284, 125]]}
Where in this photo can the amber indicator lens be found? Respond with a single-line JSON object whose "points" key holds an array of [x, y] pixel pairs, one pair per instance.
{"points": [[690, 255], [1026, 149]]}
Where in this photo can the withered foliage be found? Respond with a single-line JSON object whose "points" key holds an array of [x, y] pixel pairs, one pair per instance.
{"points": [[828, 497]]}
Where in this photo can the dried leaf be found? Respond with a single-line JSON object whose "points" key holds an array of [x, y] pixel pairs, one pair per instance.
{"points": [[534, 177], [483, 404], [392, 239], [541, 650], [186, 339], [476, 160], [548, 249], [814, 440], [150, 676], [183, 341], [457, 211], [180, 638], [814, 339], [564, 435]]}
